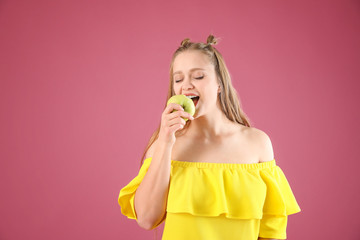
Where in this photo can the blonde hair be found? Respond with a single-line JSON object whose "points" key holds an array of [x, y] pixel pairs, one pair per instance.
{"points": [[229, 101]]}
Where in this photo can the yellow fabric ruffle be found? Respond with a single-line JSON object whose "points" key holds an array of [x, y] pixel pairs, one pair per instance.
{"points": [[127, 193], [240, 191]]}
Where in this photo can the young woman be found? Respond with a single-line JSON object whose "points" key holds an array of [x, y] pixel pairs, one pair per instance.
{"points": [[214, 176]]}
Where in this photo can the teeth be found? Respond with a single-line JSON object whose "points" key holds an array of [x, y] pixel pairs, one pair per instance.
{"points": [[191, 96]]}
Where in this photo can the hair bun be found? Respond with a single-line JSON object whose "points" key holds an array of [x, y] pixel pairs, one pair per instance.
{"points": [[185, 42], [211, 40]]}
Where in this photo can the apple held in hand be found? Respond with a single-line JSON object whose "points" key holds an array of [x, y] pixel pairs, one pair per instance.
{"points": [[186, 103]]}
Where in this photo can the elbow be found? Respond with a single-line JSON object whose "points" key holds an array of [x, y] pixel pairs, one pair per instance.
{"points": [[150, 225], [148, 222], [141, 221], [146, 225]]}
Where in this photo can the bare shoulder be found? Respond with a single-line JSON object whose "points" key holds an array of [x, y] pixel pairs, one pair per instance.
{"points": [[263, 143]]}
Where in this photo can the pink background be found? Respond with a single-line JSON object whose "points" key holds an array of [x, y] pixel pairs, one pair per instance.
{"points": [[84, 83]]}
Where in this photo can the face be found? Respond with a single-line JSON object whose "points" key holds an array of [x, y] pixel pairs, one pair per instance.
{"points": [[194, 73]]}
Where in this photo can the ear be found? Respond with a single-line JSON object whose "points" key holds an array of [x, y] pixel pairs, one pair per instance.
{"points": [[219, 89]]}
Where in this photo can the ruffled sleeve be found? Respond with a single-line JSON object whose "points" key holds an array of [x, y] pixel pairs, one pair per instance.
{"points": [[279, 203], [280, 199], [127, 193]]}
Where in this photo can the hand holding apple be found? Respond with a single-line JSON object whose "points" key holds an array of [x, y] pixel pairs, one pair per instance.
{"points": [[186, 103], [174, 118]]}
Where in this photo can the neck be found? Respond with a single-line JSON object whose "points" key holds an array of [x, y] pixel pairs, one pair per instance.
{"points": [[212, 126]]}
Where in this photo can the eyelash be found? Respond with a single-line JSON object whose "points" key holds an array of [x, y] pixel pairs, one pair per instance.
{"points": [[195, 78]]}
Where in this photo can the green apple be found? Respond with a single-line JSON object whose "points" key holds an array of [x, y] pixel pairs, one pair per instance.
{"points": [[186, 103]]}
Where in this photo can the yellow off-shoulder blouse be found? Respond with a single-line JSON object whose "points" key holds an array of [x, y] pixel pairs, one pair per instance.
{"points": [[216, 201]]}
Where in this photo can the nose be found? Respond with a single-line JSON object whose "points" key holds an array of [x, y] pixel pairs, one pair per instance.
{"points": [[187, 85]]}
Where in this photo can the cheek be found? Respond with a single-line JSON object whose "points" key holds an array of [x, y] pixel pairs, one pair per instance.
{"points": [[176, 89], [210, 93], [207, 90]]}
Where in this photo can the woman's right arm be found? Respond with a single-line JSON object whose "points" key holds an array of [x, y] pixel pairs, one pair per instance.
{"points": [[151, 195]]}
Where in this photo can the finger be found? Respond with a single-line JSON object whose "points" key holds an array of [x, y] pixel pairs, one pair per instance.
{"points": [[173, 106], [187, 115], [177, 120], [176, 114], [180, 114], [176, 127]]}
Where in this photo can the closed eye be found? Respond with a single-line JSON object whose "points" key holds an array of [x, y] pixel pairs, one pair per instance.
{"points": [[195, 78]]}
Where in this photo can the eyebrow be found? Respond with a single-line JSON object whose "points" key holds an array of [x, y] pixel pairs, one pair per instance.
{"points": [[191, 70]]}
